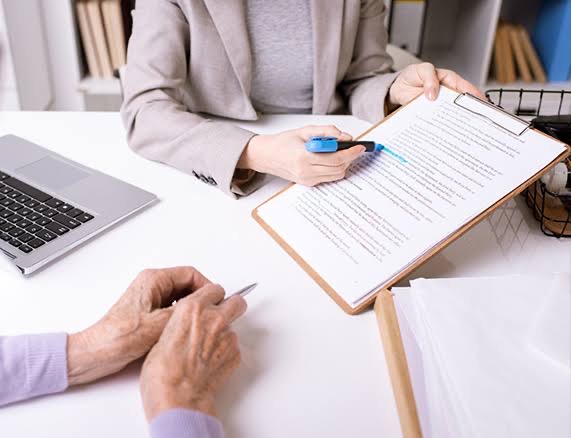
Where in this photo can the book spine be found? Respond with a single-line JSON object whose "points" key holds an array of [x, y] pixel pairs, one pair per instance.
{"points": [[521, 62], [87, 39], [552, 40]]}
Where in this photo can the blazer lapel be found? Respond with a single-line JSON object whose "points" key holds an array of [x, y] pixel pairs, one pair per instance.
{"points": [[229, 17], [327, 20]]}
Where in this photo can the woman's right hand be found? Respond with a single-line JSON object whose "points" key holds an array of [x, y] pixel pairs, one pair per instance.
{"points": [[284, 155]]}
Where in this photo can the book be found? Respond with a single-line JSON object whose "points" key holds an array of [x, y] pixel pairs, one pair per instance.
{"points": [[508, 58], [519, 54], [127, 7], [87, 39], [95, 17], [499, 56], [114, 31], [451, 162], [531, 55], [513, 48], [551, 38]]}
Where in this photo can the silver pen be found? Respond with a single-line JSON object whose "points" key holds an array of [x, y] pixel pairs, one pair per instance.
{"points": [[243, 292]]}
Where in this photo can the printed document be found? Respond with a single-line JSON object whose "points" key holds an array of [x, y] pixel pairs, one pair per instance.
{"points": [[359, 233]]}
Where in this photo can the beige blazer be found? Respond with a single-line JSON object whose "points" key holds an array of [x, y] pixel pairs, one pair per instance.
{"points": [[190, 58]]}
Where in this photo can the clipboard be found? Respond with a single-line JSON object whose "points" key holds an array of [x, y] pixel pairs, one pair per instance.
{"points": [[494, 114]]}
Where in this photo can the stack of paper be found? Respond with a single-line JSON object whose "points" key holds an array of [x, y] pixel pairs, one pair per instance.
{"points": [[478, 367]]}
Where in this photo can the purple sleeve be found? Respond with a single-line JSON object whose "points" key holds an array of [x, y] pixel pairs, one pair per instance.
{"points": [[185, 423], [32, 365]]}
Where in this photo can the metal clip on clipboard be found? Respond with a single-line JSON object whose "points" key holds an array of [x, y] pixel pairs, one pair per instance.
{"points": [[497, 115]]}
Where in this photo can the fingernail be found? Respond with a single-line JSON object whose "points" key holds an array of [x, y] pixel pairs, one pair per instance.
{"points": [[344, 134]]}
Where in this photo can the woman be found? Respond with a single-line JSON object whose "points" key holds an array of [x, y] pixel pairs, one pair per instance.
{"points": [[235, 58]]}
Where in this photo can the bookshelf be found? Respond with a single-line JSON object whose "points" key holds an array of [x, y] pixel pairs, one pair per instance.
{"points": [[97, 93], [100, 86], [458, 34], [42, 65]]}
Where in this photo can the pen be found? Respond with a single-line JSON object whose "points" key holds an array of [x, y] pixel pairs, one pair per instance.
{"points": [[243, 292], [331, 144]]}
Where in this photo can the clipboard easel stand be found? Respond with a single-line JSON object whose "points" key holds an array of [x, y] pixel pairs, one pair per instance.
{"points": [[499, 117], [397, 364]]}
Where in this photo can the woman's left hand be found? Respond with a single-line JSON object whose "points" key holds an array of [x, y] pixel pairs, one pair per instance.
{"points": [[418, 78]]}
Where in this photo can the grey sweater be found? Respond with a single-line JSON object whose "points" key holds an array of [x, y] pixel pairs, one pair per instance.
{"points": [[282, 53]]}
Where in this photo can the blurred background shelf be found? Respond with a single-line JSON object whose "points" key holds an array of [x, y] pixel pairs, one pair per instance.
{"points": [[100, 94], [459, 35], [100, 86], [454, 34]]}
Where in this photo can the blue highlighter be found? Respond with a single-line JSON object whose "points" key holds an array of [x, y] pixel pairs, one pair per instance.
{"points": [[331, 144]]}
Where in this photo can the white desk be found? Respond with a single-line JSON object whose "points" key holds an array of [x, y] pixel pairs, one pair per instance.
{"points": [[309, 370]]}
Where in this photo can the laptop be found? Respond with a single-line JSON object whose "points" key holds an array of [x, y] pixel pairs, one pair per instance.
{"points": [[50, 205]]}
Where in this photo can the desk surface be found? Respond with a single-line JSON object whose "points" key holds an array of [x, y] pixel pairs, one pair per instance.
{"points": [[309, 370]]}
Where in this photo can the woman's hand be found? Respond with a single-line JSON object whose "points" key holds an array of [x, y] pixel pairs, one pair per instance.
{"points": [[132, 326], [284, 155], [418, 78], [195, 355]]}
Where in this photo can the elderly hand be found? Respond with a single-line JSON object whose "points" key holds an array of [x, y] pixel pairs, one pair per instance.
{"points": [[284, 155], [132, 326], [416, 78], [195, 355]]}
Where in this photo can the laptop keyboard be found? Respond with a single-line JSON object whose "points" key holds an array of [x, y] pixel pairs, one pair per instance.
{"points": [[30, 218]]}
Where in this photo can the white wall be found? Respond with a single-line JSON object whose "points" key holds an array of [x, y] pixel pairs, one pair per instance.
{"points": [[8, 92], [24, 25], [63, 53]]}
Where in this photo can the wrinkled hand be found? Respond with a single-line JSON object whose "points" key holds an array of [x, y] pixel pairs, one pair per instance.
{"points": [[418, 78], [195, 355], [284, 155], [132, 326]]}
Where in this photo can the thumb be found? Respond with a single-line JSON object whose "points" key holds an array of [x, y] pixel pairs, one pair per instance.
{"points": [[429, 78], [351, 154], [160, 319]]}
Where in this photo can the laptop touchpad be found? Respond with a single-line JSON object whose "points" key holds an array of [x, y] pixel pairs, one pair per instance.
{"points": [[51, 173]]}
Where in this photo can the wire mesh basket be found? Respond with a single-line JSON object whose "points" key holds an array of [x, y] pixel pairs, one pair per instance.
{"points": [[550, 112]]}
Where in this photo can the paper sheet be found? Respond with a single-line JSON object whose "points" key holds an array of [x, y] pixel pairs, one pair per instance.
{"points": [[359, 233], [409, 330], [481, 368], [439, 410], [550, 333]]}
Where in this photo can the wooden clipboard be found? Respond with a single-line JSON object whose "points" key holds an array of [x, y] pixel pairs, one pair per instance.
{"points": [[435, 250]]}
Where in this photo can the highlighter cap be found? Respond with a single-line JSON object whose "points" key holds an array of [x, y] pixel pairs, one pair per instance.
{"points": [[321, 144]]}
